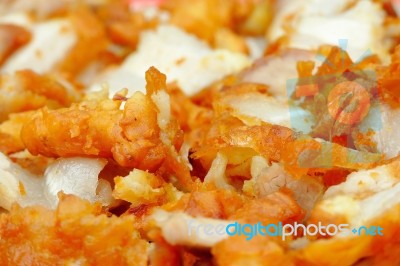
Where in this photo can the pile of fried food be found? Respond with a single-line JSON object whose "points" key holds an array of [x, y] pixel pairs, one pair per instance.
{"points": [[120, 120]]}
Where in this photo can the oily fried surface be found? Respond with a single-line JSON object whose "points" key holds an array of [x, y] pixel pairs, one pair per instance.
{"points": [[76, 232], [133, 136]]}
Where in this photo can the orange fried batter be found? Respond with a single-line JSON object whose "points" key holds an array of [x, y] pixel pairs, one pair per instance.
{"points": [[77, 232], [99, 128]]}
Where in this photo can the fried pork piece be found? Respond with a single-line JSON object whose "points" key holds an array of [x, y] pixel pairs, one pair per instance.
{"points": [[76, 38], [280, 144], [76, 233], [193, 119], [12, 37], [321, 91], [366, 198], [379, 129], [189, 115], [182, 57], [212, 20], [26, 90], [226, 208], [144, 135], [307, 190], [351, 250]]}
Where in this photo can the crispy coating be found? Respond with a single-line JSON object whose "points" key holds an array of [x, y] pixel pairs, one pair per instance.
{"points": [[81, 129], [98, 127], [77, 232], [193, 119]]}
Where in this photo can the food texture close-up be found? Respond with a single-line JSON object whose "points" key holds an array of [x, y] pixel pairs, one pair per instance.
{"points": [[200, 133]]}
